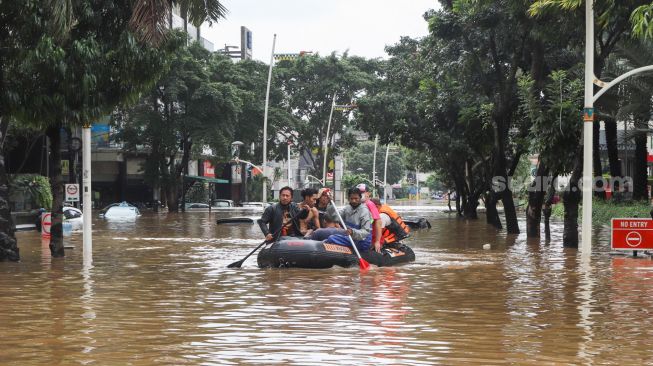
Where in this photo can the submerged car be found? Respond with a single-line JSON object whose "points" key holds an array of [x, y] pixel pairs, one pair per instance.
{"points": [[122, 210], [74, 216]]}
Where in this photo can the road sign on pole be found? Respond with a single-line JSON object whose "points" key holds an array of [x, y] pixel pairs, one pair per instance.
{"points": [[72, 192], [632, 234]]}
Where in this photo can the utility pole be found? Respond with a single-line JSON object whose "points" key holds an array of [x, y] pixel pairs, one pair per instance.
{"points": [[376, 143], [265, 124]]}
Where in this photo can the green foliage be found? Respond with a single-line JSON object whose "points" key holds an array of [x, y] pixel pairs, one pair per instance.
{"points": [[352, 180], [198, 192], [434, 183], [553, 114], [35, 186], [308, 84], [604, 211], [642, 20], [187, 110], [360, 157]]}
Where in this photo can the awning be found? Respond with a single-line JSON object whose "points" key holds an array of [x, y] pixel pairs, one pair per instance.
{"points": [[649, 158], [206, 179]]}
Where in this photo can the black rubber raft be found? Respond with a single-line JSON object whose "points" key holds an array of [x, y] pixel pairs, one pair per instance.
{"points": [[300, 253]]}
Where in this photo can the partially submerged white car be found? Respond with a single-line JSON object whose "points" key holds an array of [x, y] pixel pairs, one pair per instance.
{"points": [[120, 211], [74, 217]]}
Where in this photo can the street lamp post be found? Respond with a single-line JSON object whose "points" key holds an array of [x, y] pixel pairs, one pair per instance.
{"points": [[289, 169], [385, 174], [87, 239], [326, 140], [265, 123], [588, 118], [376, 144]]}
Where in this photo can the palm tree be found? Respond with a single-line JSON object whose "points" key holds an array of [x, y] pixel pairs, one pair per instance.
{"points": [[150, 17]]}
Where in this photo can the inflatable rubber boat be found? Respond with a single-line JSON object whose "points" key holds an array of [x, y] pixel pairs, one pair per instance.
{"points": [[416, 222], [302, 253]]}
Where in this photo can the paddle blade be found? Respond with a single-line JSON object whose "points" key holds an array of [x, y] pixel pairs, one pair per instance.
{"points": [[363, 264], [235, 264]]}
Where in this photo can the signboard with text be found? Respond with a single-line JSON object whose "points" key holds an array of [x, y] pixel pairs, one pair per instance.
{"points": [[72, 192], [209, 170], [632, 234]]}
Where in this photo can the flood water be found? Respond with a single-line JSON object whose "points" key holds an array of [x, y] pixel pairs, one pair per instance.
{"points": [[159, 292]]}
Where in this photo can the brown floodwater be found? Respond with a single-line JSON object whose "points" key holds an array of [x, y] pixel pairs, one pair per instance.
{"points": [[159, 292]]}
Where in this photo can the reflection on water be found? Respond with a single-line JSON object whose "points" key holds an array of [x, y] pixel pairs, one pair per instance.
{"points": [[159, 292]]}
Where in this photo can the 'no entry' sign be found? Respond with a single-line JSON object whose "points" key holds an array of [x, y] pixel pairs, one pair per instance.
{"points": [[72, 192], [632, 234]]}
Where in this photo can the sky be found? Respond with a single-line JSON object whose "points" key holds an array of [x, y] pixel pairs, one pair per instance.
{"points": [[364, 27]]}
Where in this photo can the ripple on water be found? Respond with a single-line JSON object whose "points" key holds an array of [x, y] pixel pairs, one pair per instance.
{"points": [[159, 292]]}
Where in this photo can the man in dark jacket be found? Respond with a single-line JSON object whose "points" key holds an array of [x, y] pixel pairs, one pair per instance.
{"points": [[282, 219]]}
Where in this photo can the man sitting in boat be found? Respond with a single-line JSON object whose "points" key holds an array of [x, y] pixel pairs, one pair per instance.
{"points": [[394, 228], [323, 201], [374, 212], [358, 220], [312, 220], [282, 219]]}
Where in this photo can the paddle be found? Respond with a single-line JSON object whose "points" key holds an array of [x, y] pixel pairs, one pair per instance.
{"points": [[275, 235], [240, 262], [362, 263]]}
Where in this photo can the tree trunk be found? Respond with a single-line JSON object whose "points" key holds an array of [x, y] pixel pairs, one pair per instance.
{"points": [[571, 200], [596, 159], [470, 205], [548, 207], [8, 244], [56, 230], [535, 201], [640, 174], [491, 213], [172, 198], [613, 151]]}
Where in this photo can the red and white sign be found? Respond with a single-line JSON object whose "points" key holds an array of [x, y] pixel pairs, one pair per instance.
{"points": [[46, 225], [209, 170], [72, 192], [632, 234]]}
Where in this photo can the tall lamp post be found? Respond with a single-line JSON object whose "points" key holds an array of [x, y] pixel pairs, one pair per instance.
{"points": [[385, 174], [265, 124], [87, 238], [326, 140], [376, 144]]}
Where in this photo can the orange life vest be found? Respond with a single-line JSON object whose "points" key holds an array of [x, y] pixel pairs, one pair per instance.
{"points": [[397, 230]]}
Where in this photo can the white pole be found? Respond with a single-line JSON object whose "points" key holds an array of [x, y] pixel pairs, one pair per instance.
{"points": [[586, 247], [376, 143], [417, 181], [87, 240], [289, 170], [265, 124], [385, 175], [326, 142]]}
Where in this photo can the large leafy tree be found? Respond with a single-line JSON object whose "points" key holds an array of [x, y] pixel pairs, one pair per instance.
{"points": [[360, 160], [186, 111], [308, 85], [74, 61], [616, 21], [149, 19]]}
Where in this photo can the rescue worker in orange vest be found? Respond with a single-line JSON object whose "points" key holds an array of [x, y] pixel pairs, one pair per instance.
{"points": [[394, 228]]}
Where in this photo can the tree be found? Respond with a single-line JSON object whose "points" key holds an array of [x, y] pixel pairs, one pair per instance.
{"points": [[360, 158], [185, 112], [75, 78], [149, 19], [614, 25], [555, 143], [308, 84]]}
